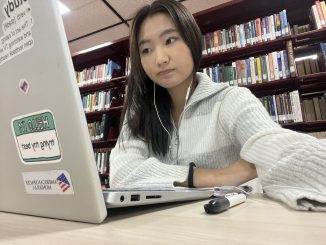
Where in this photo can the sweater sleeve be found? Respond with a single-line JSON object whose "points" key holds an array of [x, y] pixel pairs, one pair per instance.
{"points": [[131, 165], [291, 166]]}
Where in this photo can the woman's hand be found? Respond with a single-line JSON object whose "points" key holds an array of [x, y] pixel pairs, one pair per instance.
{"points": [[235, 174]]}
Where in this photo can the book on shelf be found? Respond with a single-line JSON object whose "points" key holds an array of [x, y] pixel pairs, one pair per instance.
{"points": [[99, 73], [318, 15], [106, 129], [312, 63], [323, 55], [298, 29], [253, 70], [315, 108], [283, 108], [102, 157], [248, 33], [98, 101]]}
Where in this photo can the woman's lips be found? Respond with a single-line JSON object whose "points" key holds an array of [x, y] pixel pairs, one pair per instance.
{"points": [[165, 72]]}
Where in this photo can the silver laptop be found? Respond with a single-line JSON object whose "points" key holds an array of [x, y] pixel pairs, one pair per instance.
{"points": [[47, 165]]}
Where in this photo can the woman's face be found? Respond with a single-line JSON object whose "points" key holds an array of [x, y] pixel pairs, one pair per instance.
{"points": [[164, 55]]}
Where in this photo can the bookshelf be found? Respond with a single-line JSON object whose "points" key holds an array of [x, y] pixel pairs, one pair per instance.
{"points": [[103, 85], [224, 16]]}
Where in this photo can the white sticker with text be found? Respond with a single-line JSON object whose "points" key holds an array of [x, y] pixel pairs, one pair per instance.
{"points": [[36, 138], [55, 182], [17, 29]]}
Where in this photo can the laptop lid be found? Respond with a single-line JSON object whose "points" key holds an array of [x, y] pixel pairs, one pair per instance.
{"points": [[47, 166]]}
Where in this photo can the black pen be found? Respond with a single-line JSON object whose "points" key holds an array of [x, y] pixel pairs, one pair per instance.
{"points": [[222, 203]]}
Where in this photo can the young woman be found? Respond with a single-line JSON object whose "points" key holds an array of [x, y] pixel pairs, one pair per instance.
{"points": [[181, 129]]}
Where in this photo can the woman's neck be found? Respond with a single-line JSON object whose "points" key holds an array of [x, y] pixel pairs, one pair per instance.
{"points": [[178, 97]]}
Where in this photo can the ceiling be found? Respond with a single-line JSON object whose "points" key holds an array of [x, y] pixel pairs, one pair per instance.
{"points": [[95, 22]]}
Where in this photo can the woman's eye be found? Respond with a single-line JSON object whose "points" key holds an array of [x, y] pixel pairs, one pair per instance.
{"points": [[145, 51], [171, 40]]}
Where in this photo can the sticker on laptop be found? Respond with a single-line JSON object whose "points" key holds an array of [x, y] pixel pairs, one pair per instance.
{"points": [[24, 86], [17, 29], [36, 138], [55, 182]]}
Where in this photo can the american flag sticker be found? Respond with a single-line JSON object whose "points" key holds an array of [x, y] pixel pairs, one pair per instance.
{"points": [[63, 182], [54, 182]]}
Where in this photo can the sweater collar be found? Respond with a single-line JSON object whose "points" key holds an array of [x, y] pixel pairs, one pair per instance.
{"points": [[205, 88]]}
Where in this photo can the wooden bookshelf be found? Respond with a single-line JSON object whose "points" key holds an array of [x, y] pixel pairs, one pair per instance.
{"points": [[116, 51], [245, 52], [239, 11], [97, 115], [104, 143], [312, 84], [310, 37], [273, 87], [315, 126], [103, 85]]}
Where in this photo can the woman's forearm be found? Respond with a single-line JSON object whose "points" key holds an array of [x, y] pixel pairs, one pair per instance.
{"points": [[235, 174]]}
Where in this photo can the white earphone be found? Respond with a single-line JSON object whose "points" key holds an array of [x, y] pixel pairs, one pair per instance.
{"points": [[186, 99], [160, 118]]}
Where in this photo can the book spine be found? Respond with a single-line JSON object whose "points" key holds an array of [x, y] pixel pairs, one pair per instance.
{"points": [[289, 49], [320, 14], [316, 17], [323, 8]]}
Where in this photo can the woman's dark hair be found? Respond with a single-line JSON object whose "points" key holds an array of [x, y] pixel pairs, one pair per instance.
{"points": [[139, 112]]}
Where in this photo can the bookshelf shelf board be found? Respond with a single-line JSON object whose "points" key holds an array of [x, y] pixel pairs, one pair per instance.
{"points": [[311, 78], [245, 52], [309, 37], [239, 11], [99, 86], [313, 84], [314, 126], [273, 87], [104, 143], [97, 115], [117, 51]]}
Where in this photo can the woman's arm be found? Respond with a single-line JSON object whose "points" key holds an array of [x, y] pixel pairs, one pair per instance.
{"points": [[291, 166], [131, 165], [234, 175]]}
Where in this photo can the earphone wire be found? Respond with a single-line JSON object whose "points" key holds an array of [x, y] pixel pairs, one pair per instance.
{"points": [[187, 95], [186, 99], [160, 118]]}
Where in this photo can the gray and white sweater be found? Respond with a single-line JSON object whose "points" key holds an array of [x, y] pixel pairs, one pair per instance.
{"points": [[220, 125]]}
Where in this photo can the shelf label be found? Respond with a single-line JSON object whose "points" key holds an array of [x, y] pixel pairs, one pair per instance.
{"points": [[55, 182], [36, 138], [17, 29]]}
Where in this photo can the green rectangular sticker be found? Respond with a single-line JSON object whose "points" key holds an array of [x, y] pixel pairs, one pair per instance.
{"points": [[36, 138]]}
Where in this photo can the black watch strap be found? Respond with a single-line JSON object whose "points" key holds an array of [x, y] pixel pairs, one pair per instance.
{"points": [[191, 175]]}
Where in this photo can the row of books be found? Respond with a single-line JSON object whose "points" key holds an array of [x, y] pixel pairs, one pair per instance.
{"points": [[296, 29], [105, 129], [249, 33], [99, 73], [307, 66], [283, 108], [318, 14], [313, 63], [98, 101], [102, 161], [264, 68], [315, 108]]}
